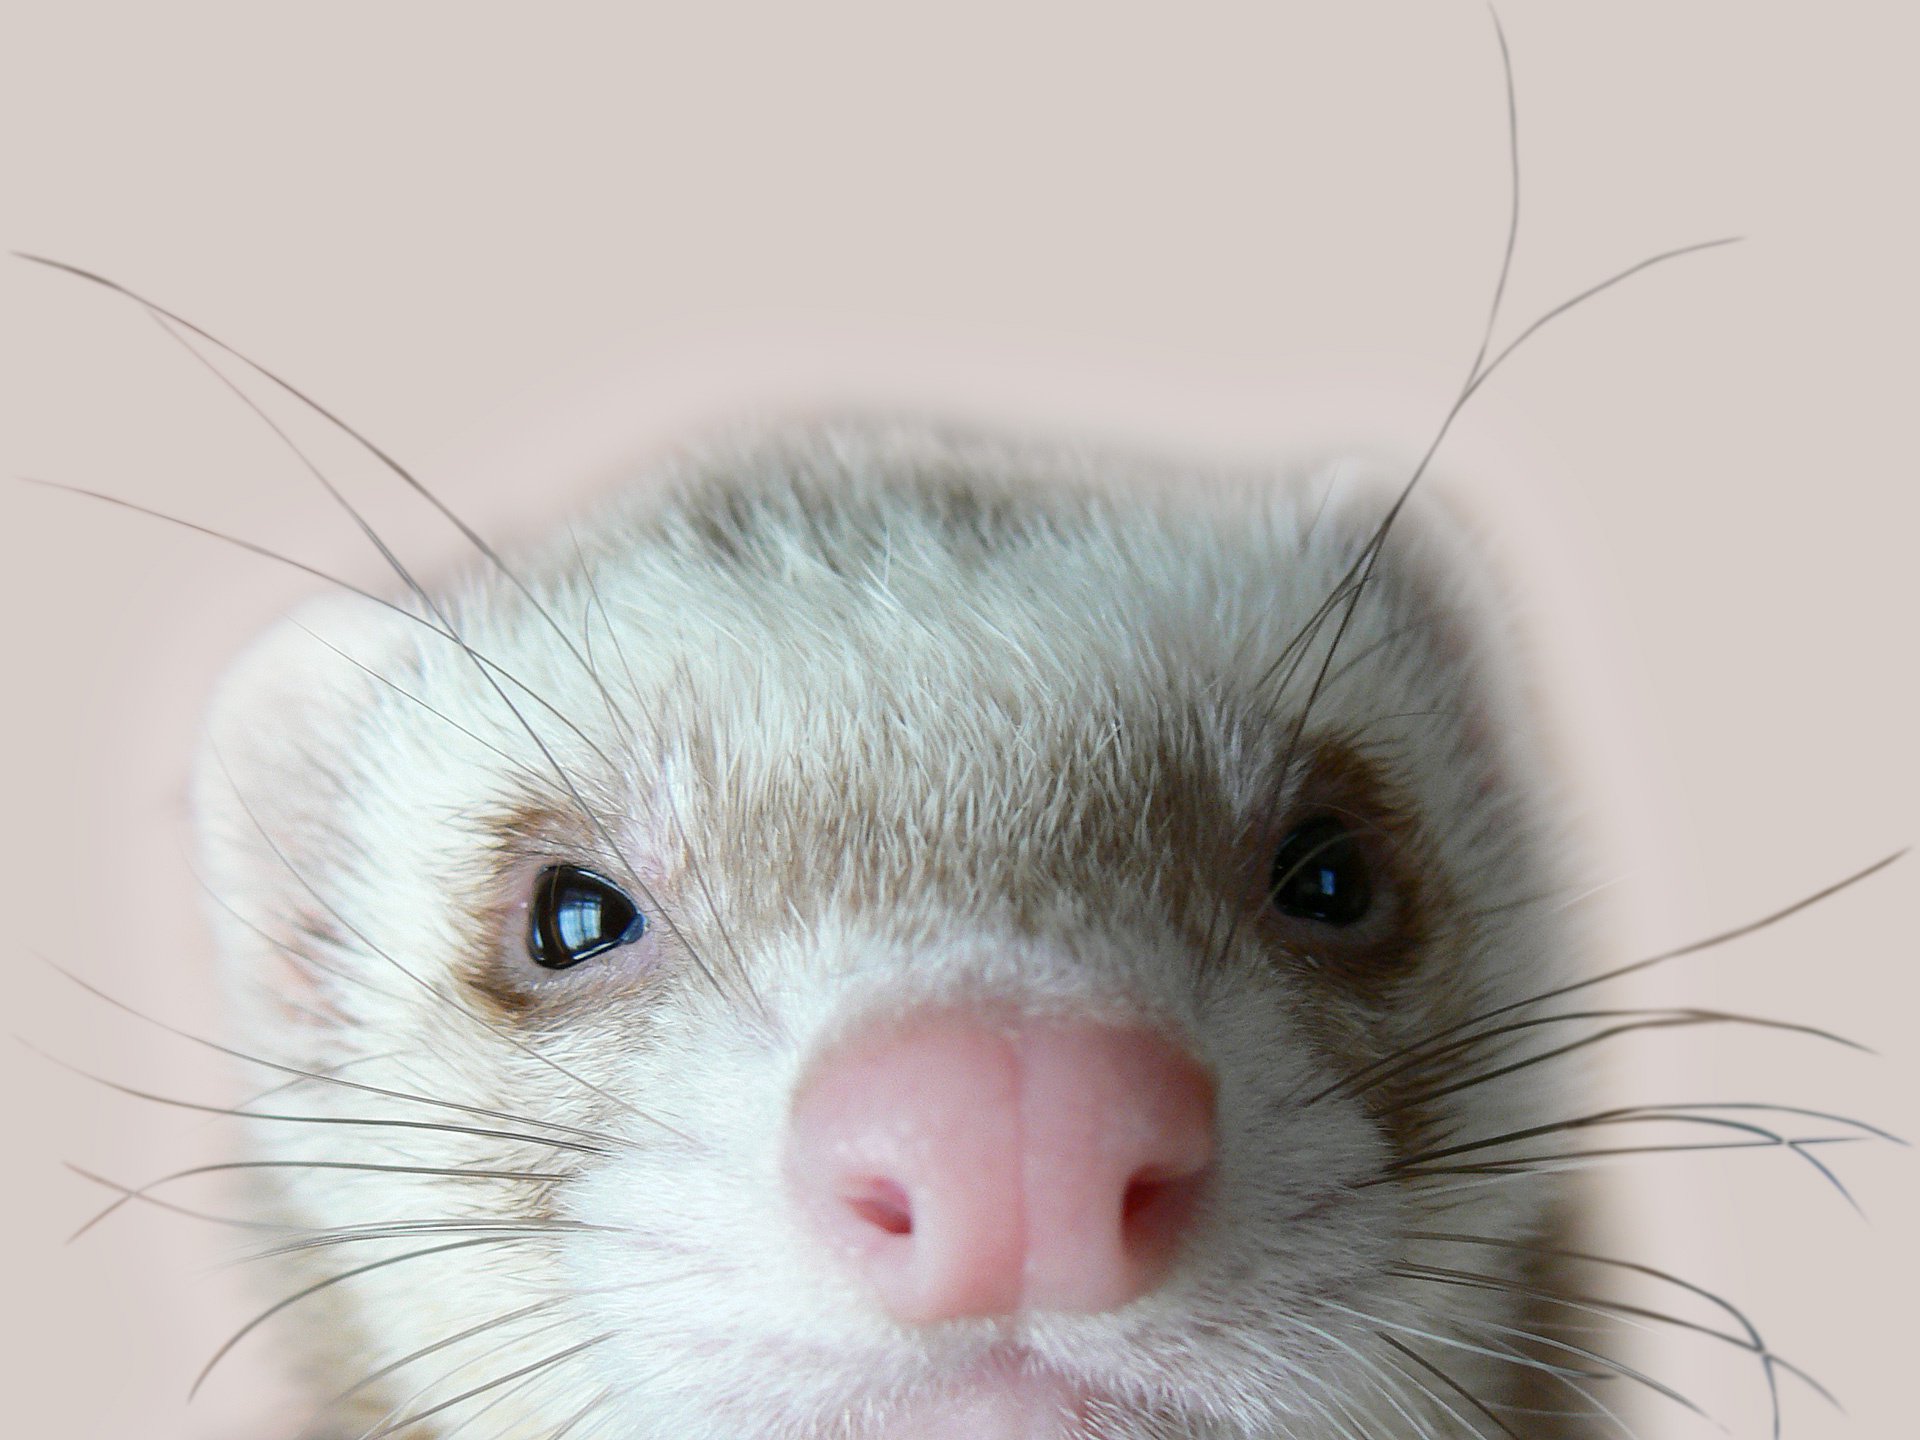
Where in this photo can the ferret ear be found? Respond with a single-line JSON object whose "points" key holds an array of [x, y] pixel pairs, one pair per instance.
{"points": [[282, 759]]}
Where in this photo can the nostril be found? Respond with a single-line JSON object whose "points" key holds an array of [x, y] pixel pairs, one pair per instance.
{"points": [[1142, 1191], [882, 1204], [1156, 1207]]}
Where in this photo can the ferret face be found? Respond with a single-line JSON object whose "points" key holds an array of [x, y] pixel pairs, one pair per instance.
{"points": [[881, 934]]}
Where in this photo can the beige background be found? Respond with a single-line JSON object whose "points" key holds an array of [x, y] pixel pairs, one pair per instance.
{"points": [[516, 243]]}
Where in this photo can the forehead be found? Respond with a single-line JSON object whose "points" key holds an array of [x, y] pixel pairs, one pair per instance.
{"points": [[851, 664], [794, 591], [940, 576]]}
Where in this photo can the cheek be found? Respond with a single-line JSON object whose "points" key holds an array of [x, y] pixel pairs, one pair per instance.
{"points": [[686, 1228], [1290, 1137]]}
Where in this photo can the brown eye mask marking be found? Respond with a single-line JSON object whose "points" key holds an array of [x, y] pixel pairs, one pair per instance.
{"points": [[1352, 889]]}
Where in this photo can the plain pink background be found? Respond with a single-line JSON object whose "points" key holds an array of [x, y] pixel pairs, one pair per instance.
{"points": [[516, 244]]}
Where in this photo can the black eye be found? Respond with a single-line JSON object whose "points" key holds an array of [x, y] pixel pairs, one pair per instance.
{"points": [[576, 915], [1321, 873]]}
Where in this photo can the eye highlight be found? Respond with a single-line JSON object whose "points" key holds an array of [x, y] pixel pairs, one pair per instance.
{"points": [[575, 915], [1322, 873]]}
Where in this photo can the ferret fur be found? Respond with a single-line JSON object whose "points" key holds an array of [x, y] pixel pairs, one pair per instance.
{"points": [[868, 717]]}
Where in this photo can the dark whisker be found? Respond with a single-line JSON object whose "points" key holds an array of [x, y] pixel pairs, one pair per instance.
{"points": [[1452, 1384], [1353, 583], [1478, 1280], [1649, 1020], [695, 870], [492, 665], [1592, 1356], [1525, 1362], [167, 319], [231, 1221], [386, 460], [450, 1172], [439, 613], [524, 771], [1551, 1163], [374, 1377], [544, 1141], [585, 1412], [330, 1281], [533, 1368], [1665, 1277], [1627, 1115], [310, 1241], [594, 1137], [1695, 947]]}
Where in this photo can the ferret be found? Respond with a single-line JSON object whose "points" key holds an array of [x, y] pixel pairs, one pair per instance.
{"points": [[885, 931], [881, 932]]}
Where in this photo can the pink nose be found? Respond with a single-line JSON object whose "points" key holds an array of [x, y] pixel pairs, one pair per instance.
{"points": [[967, 1167]]}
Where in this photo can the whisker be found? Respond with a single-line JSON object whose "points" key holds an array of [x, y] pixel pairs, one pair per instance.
{"points": [[1551, 1164], [419, 1393], [405, 575], [260, 1097], [170, 318], [548, 1142], [327, 1283], [1386, 1390], [505, 1229], [1523, 1361], [1590, 1304], [374, 1377], [1695, 947], [1596, 1408], [595, 1138], [491, 671], [1451, 1383], [231, 1221], [572, 1423], [524, 771], [534, 1367], [356, 1166], [1353, 583], [1606, 1362], [1647, 1019], [1650, 1114], [1665, 1277], [492, 665]]}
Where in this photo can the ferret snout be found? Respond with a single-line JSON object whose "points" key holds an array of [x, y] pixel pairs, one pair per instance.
{"points": [[965, 1164]]}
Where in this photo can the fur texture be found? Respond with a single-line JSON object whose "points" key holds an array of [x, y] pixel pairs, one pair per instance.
{"points": [[866, 717]]}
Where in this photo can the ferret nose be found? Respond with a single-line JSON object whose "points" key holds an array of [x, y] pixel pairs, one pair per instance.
{"points": [[962, 1167]]}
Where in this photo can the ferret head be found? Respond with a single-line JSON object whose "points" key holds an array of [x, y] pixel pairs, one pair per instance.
{"points": [[881, 934]]}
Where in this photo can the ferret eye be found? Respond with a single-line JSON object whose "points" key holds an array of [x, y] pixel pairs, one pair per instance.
{"points": [[1321, 873], [576, 915]]}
